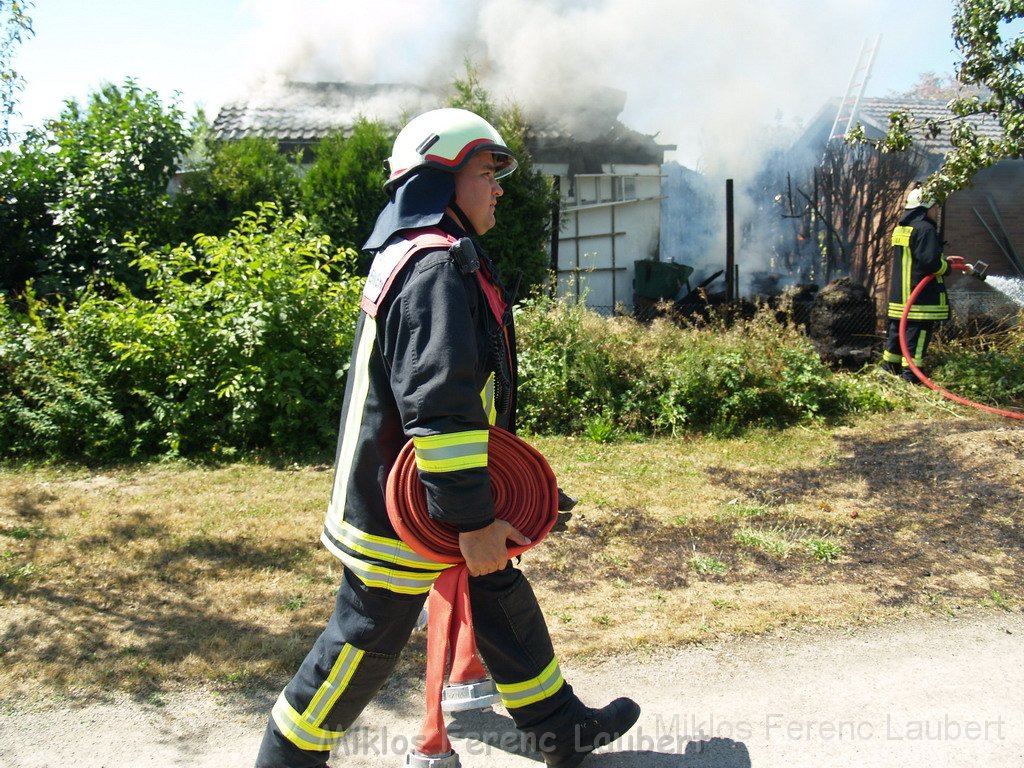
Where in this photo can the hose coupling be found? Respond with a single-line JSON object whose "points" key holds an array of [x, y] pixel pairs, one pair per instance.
{"points": [[472, 694], [449, 759]]}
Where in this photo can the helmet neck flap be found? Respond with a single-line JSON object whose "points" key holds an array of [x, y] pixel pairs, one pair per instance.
{"points": [[419, 202]]}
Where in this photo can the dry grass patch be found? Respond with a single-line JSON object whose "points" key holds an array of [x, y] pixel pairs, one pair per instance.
{"points": [[857, 524], [145, 577], [151, 578]]}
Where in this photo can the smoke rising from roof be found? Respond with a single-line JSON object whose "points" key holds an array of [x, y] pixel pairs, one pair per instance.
{"points": [[706, 77], [727, 82]]}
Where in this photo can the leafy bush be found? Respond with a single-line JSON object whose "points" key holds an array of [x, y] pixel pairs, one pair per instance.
{"points": [[988, 369], [74, 188], [343, 191], [578, 368], [229, 179], [53, 400], [241, 346]]}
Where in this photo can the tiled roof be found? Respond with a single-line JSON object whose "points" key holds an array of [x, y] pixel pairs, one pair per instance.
{"points": [[302, 113], [306, 112], [874, 113]]}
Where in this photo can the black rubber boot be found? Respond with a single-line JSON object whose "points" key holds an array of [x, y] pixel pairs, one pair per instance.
{"points": [[910, 377], [597, 728]]}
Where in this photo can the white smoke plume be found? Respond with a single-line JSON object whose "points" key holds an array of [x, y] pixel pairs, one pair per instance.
{"points": [[707, 77], [723, 81]]}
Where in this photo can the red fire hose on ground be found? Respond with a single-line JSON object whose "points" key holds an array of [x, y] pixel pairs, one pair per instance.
{"points": [[958, 264], [526, 496]]}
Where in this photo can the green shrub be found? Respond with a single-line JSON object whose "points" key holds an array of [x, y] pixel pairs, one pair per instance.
{"points": [[53, 400], [241, 345], [578, 369], [988, 369], [343, 190], [229, 179], [73, 188]]}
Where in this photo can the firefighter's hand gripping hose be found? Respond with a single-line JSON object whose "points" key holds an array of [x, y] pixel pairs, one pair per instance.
{"points": [[904, 347], [526, 496]]}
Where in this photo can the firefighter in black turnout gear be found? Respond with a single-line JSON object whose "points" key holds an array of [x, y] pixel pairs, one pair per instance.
{"points": [[434, 361], [917, 252]]}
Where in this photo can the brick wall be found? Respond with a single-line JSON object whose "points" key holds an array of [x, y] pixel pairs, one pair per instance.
{"points": [[967, 236]]}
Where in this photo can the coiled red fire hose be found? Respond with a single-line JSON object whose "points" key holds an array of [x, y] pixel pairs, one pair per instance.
{"points": [[526, 496], [905, 348]]}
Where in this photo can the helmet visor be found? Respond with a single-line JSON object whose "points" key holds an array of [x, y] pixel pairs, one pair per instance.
{"points": [[505, 161]]}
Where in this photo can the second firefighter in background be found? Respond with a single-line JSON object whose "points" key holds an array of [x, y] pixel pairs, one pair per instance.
{"points": [[917, 253]]}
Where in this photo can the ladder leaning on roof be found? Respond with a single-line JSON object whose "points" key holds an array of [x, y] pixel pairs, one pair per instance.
{"points": [[858, 81]]}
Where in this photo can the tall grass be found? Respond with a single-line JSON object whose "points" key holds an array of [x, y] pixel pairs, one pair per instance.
{"points": [[579, 368]]}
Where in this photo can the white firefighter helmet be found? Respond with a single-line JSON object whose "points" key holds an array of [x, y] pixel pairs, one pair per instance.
{"points": [[446, 139], [917, 199]]}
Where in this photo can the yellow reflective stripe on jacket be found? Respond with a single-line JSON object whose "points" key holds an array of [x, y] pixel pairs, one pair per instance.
{"points": [[901, 236], [452, 451], [487, 398], [300, 733], [382, 548], [938, 311], [391, 579], [545, 685], [359, 387]]}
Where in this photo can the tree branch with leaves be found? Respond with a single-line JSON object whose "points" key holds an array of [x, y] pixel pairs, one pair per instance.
{"points": [[15, 26], [990, 38]]}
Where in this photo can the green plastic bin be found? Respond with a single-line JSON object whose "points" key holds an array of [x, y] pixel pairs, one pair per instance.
{"points": [[660, 279]]}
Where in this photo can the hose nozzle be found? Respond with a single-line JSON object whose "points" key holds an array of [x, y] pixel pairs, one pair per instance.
{"points": [[978, 269]]}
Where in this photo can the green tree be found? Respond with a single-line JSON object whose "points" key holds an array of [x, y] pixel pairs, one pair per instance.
{"points": [[15, 25], [344, 189], [988, 34], [84, 181], [29, 181], [518, 243], [225, 180], [239, 344]]}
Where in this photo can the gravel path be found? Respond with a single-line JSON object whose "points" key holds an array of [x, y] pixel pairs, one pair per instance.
{"points": [[929, 692]]}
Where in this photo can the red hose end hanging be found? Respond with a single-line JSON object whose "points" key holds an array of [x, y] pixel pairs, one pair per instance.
{"points": [[526, 496]]}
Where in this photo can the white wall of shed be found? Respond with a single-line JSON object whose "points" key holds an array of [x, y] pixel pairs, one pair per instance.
{"points": [[609, 221]]}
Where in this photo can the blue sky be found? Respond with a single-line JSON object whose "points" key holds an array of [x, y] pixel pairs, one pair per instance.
{"points": [[187, 45], [730, 57]]}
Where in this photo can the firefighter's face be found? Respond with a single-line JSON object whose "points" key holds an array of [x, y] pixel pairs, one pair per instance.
{"points": [[477, 191]]}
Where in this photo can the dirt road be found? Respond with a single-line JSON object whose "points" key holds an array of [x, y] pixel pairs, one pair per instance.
{"points": [[928, 692]]}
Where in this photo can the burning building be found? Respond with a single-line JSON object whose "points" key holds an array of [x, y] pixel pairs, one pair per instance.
{"points": [[608, 176]]}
